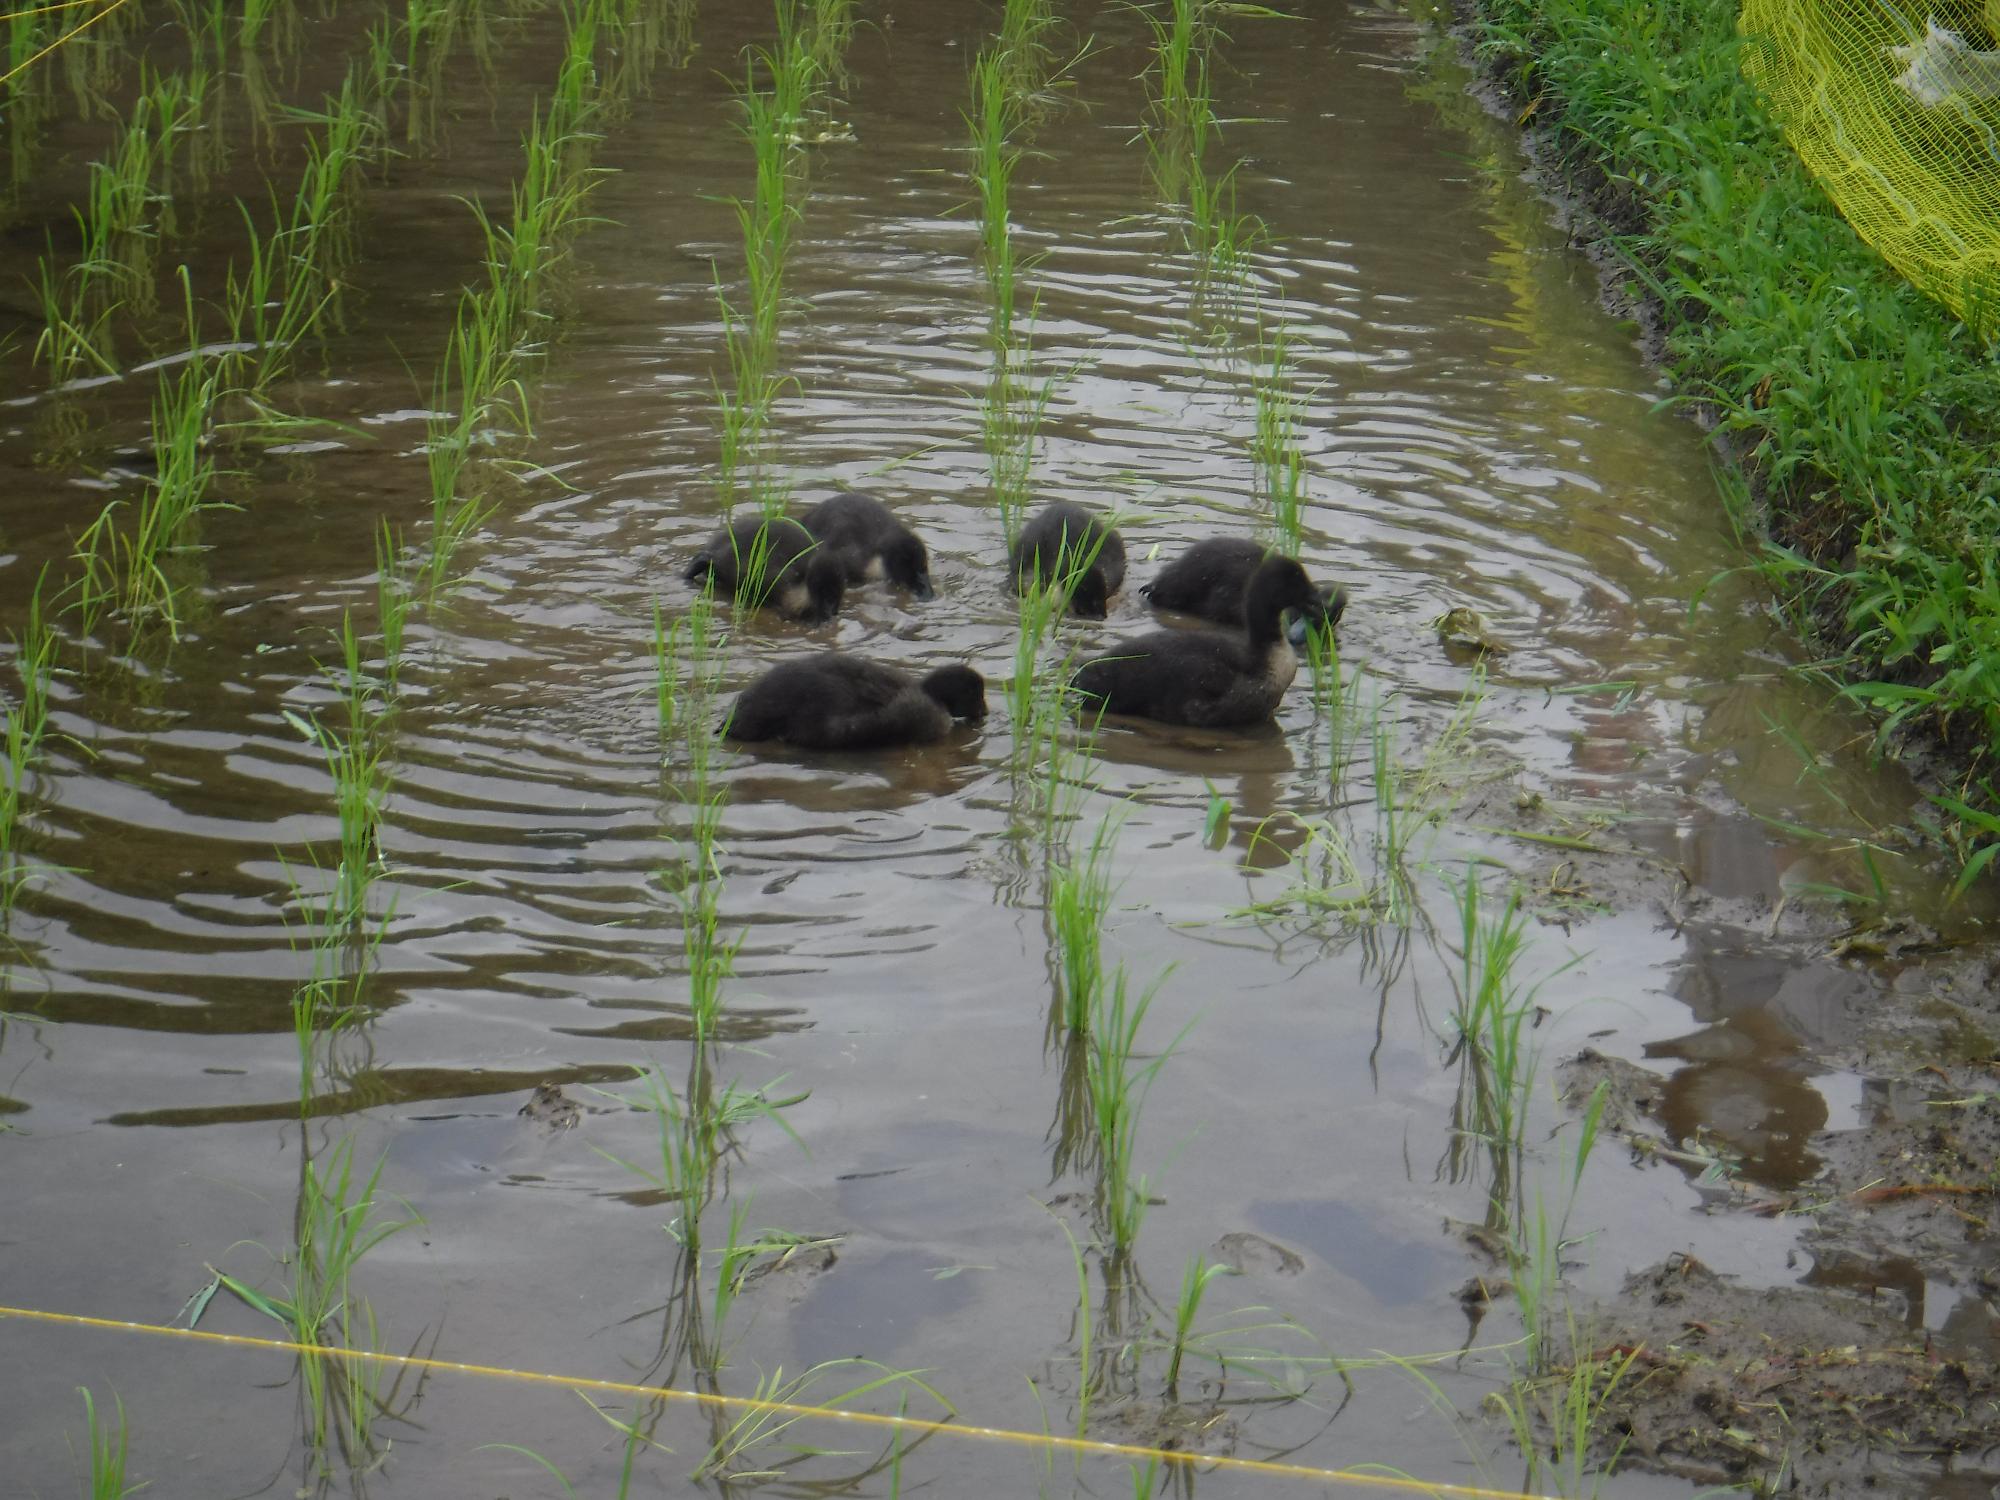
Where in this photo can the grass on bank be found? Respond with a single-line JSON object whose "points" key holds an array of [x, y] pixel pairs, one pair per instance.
{"points": [[1865, 411]]}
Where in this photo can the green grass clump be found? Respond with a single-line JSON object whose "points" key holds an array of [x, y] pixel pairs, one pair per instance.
{"points": [[1867, 413]]}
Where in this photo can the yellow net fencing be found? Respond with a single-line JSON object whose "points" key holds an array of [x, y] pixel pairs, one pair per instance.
{"points": [[1895, 108]]}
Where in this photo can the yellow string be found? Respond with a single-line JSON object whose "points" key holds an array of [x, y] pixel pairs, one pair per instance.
{"points": [[923, 1425], [70, 35]]}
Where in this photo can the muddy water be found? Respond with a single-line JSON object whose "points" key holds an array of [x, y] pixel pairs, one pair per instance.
{"points": [[1481, 434]]}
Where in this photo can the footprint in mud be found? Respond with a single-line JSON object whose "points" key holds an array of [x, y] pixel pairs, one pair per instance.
{"points": [[794, 1269], [1167, 1425], [1244, 1252]]}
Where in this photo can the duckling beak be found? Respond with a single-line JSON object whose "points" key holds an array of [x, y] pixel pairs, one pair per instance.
{"points": [[923, 589]]}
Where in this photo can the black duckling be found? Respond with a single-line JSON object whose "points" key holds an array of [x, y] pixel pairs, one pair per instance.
{"points": [[1208, 678], [1061, 536], [831, 701], [870, 542], [800, 577], [1209, 580]]}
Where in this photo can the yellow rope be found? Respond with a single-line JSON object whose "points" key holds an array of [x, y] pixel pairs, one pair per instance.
{"points": [[924, 1425], [70, 35]]}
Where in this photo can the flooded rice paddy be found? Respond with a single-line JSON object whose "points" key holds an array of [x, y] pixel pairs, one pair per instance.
{"points": [[1669, 796]]}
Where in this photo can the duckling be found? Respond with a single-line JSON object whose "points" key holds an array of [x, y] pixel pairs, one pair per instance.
{"points": [[1208, 678], [800, 577], [832, 701], [1064, 538], [870, 542], [1209, 579]]}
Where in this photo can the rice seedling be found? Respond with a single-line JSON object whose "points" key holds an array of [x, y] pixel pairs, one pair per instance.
{"points": [[694, 1129], [356, 759], [1494, 1012], [1181, 115], [772, 120], [26, 728], [696, 879], [1561, 1421], [743, 1438], [826, 33], [132, 569], [1535, 1244], [1079, 900], [993, 120], [1222, 239], [28, 103], [108, 1440], [1011, 419], [1121, 1077], [127, 189], [1275, 450], [75, 339], [338, 1223], [1195, 1280]]}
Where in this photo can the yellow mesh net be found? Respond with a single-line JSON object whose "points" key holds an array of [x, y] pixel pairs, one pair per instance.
{"points": [[1895, 108]]}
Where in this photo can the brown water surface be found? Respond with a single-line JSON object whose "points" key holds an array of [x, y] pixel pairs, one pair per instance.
{"points": [[1481, 434]]}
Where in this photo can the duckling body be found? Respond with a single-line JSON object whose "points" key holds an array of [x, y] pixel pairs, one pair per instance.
{"points": [[1061, 537], [869, 542], [1208, 678], [797, 577], [832, 701], [1211, 578]]}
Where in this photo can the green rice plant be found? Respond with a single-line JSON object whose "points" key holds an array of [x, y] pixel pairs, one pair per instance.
{"points": [[322, 233], [1494, 1011], [1121, 1076], [356, 758], [1026, 45], [993, 119], [693, 1130], [738, 1448], [1180, 116], [1079, 900], [129, 568], [26, 727], [1560, 1421], [75, 339], [108, 1440], [1535, 1244], [1055, 738], [338, 1223], [1275, 450], [28, 103], [1195, 1280], [429, 29], [1011, 418], [826, 33], [1222, 239], [266, 318], [768, 219], [127, 190], [1338, 718]]}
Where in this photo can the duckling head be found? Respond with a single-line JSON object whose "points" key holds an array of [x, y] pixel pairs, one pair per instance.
{"points": [[958, 690], [907, 565]]}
